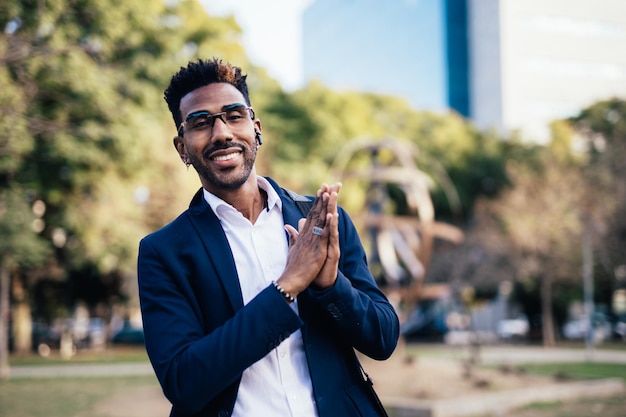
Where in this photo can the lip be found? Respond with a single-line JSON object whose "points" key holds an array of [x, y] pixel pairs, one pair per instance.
{"points": [[225, 156]]}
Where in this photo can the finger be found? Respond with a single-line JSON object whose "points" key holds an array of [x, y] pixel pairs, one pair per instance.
{"points": [[301, 223], [336, 187], [333, 225], [333, 240], [293, 234], [317, 214], [324, 210], [331, 207], [317, 205]]}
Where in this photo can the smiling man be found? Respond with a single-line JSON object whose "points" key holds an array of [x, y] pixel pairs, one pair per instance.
{"points": [[248, 308]]}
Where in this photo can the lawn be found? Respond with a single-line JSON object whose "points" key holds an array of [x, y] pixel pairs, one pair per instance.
{"points": [[118, 354], [605, 407], [76, 396], [63, 397], [585, 370]]}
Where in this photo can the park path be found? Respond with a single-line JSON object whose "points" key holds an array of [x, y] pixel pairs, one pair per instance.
{"points": [[490, 355]]}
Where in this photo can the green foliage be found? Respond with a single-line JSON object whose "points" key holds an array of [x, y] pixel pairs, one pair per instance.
{"points": [[308, 128], [602, 129], [84, 125], [85, 130], [20, 244]]}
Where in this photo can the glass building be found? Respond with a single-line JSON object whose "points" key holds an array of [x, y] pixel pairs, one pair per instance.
{"points": [[509, 65]]}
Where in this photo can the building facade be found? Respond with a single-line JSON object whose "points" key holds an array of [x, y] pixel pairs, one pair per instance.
{"points": [[509, 65], [534, 60]]}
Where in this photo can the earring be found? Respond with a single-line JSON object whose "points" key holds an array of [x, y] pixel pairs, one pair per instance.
{"points": [[187, 163], [258, 137]]}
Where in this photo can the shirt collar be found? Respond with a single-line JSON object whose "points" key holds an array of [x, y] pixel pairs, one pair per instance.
{"points": [[219, 206]]}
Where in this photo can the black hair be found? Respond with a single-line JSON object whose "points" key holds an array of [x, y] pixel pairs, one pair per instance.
{"points": [[198, 74]]}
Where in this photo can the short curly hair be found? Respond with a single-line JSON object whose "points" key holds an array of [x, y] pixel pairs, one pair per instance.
{"points": [[198, 74]]}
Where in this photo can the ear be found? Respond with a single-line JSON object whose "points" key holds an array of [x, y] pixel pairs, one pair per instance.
{"points": [[179, 144], [257, 125]]}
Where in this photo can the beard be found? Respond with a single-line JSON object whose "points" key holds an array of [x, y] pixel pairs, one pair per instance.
{"points": [[228, 179]]}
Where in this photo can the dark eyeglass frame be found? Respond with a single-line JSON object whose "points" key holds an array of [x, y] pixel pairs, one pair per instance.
{"points": [[211, 117]]}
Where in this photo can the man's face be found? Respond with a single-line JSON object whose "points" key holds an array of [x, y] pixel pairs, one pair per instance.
{"points": [[223, 150]]}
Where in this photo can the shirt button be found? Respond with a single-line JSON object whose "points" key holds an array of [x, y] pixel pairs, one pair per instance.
{"points": [[282, 353]]}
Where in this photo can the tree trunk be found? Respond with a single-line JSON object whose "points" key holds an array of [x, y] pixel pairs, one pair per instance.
{"points": [[22, 318], [547, 320], [4, 319]]}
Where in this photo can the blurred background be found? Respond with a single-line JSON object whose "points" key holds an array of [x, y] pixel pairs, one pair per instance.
{"points": [[482, 144]]}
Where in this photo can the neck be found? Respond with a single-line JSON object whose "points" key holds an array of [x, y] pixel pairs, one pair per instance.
{"points": [[249, 199]]}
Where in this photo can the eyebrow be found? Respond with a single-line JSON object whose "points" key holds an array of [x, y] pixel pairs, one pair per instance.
{"points": [[224, 108]]}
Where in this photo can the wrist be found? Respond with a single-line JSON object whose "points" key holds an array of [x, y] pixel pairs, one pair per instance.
{"points": [[288, 297]]}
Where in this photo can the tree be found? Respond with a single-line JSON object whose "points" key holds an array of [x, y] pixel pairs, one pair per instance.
{"points": [[533, 230], [20, 247], [85, 127], [602, 130]]}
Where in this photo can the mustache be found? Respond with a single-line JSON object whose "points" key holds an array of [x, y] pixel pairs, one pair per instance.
{"points": [[215, 148]]}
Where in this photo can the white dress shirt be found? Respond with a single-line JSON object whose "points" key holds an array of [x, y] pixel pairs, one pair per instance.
{"points": [[279, 384]]}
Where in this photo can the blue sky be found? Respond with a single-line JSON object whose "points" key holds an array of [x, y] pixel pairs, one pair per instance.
{"points": [[402, 31], [272, 34]]}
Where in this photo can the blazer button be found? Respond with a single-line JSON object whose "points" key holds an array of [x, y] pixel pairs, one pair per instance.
{"points": [[223, 413], [334, 311]]}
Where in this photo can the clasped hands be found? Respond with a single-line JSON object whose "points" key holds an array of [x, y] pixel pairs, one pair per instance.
{"points": [[313, 257]]}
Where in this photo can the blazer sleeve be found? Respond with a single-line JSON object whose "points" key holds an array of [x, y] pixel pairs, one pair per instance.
{"points": [[197, 343], [357, 309]]}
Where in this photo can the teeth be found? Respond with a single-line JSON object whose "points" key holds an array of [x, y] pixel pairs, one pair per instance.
{"points": [[226, 157]]}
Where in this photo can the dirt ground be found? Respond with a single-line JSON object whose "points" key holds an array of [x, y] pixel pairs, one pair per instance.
{"points": [[140, 402], [431, 378]]}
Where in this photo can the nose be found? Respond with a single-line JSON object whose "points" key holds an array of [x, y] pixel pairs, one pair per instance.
{"points": [[220, 130]]}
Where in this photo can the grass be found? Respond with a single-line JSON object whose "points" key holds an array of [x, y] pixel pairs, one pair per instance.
{"points": [[589, 407], [584, 370], [62, 397], [69, 396], [77, 397], [117, 354]]}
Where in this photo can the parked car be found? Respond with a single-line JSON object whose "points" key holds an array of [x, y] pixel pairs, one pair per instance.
{"points": [[619, 329], [578, 329], [513, 328], [129, 335]]}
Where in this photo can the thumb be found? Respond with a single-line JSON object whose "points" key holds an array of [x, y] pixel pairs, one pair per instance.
{"points": [[293, 234], [301, 223]]}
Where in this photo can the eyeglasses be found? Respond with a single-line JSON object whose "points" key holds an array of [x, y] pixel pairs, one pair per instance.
{"points": [[233, 116]]}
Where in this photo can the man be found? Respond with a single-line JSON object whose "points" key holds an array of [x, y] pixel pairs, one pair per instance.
{"points": [[248, 309]]}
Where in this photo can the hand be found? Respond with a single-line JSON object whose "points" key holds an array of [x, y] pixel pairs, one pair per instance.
{"points": [[328, 274], [307, 251]]}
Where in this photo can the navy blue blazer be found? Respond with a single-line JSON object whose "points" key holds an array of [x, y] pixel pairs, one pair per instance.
{"points": [[200, 337]]}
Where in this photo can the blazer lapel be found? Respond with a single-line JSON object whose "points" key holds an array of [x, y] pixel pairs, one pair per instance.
{"points": [[216, 244], [217, 248], [291, 212]]}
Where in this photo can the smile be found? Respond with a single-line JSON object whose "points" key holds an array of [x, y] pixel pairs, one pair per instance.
{"points": [[228, 156]]}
